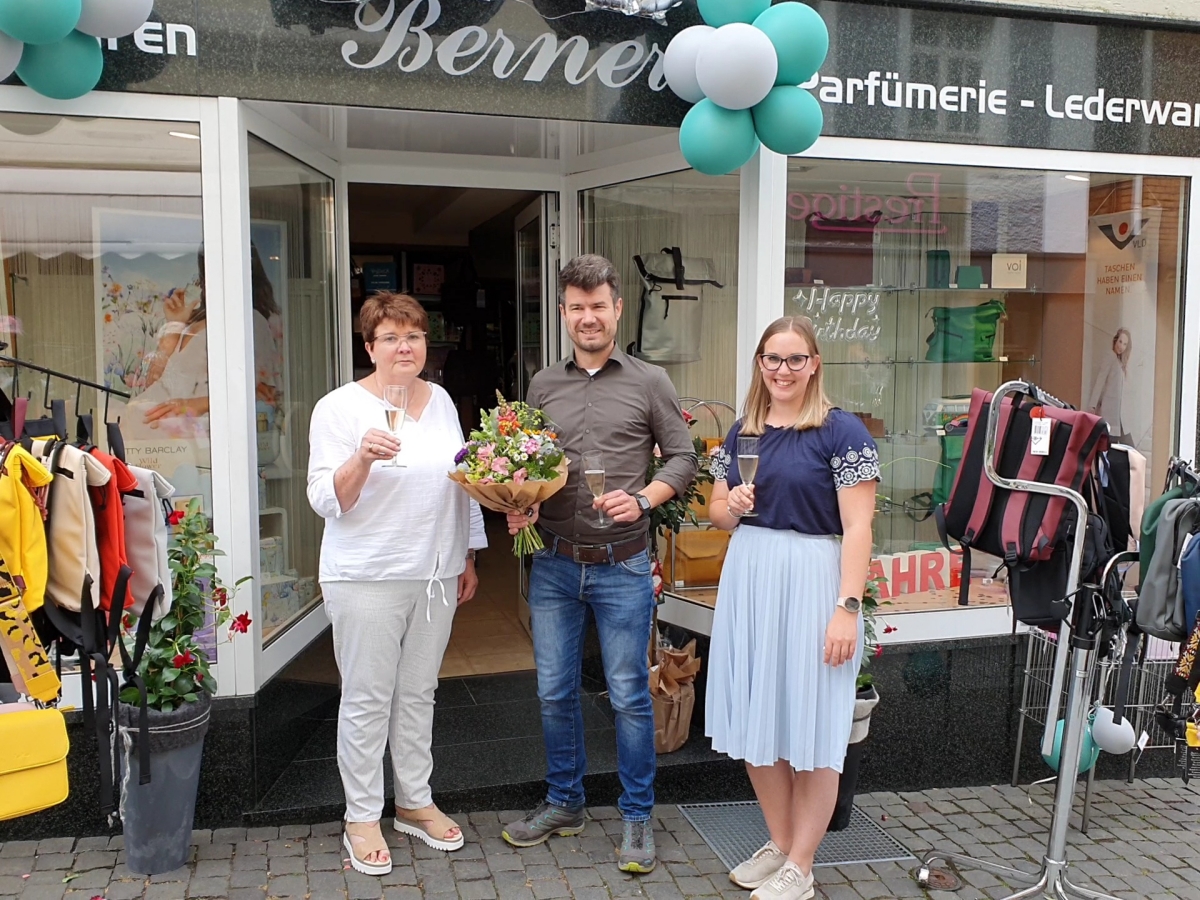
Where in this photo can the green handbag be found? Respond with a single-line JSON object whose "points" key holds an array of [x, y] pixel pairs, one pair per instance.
{"points": [[964, 333], [951, 441]]}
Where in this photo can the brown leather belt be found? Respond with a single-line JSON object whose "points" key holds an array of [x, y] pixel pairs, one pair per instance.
{"points": [[599, 554]]}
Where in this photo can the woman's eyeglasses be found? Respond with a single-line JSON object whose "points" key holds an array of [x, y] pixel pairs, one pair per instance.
{"points": [[391, 341], [795, 362]]}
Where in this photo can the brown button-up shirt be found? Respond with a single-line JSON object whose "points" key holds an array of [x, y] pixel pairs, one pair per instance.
{"points": [[623, 411]]}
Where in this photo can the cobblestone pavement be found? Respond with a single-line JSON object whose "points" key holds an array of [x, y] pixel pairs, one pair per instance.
{"points": [[1144, 842]]}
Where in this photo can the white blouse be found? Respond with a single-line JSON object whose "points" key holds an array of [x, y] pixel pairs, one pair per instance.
{"points": [[410, 523]]}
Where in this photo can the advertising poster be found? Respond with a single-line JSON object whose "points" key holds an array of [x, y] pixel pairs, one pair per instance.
{"points": [[153, 342], [1119, 321]]}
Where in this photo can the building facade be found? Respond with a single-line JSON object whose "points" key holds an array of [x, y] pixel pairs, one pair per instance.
{"points": [[253, 169]]}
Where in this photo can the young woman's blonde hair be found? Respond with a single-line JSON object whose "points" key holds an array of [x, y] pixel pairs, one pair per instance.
{"points": [[816, 406]]}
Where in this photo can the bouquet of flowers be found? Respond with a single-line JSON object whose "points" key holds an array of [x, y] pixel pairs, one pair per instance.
{"points": [[511, 462]]}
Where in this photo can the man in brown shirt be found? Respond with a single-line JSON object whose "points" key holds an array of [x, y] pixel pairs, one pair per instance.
{"points": [[602, 401]]}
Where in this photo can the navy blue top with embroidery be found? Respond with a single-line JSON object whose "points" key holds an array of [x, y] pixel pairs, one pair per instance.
{"points": [[800, 472]]}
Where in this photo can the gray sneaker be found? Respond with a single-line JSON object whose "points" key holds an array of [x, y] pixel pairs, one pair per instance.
{"points": [[789, 883], [543, 822], [637, 848]]}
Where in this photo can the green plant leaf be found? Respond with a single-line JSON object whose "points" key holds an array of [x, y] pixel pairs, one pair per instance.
{"points": [[191, 698]]}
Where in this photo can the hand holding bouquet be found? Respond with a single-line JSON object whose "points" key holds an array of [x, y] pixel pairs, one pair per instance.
{"points": [[511, 462]]}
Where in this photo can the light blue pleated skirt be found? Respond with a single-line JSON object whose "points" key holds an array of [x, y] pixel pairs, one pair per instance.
{"points": [[770, 694]]}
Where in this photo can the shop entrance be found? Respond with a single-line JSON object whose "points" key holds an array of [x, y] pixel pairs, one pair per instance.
{"points": [[478, 260]]}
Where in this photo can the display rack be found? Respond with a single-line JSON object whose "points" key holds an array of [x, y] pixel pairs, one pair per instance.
{"points": [[1077, 639]]}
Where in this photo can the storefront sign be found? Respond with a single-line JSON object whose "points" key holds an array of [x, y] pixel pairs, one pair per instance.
{"points": [[918, 572], [1119, 321], [892, 72], [917, 211]]}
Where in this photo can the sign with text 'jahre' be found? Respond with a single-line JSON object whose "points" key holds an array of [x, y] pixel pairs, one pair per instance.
{"points": [[892, 72]]}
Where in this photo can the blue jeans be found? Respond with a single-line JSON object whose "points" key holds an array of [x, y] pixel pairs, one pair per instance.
{"points": [[621, 597]]}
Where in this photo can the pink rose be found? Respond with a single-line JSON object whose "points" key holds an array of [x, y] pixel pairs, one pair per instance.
{"points": [[500, 465], [520, 476], [485, 452]]}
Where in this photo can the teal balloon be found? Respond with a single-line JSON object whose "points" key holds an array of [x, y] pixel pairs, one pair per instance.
{"points": [[800, 37], [717, 141], [789, 120], [65, 70], [39, 21], [725, 12], [1087, 758]]}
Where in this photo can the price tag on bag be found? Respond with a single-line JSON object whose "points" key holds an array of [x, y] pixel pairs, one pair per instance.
{"points": [[1039, 442]]}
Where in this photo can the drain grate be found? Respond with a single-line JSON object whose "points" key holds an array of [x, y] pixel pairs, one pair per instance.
{"points": [[735, 830]]}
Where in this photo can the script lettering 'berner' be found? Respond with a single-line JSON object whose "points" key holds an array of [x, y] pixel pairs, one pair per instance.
{"points": [[465, 50]]}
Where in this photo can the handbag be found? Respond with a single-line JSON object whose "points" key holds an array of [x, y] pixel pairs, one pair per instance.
{"points": [[671, 314], [695, 558], [964, 333], [33, 766]]}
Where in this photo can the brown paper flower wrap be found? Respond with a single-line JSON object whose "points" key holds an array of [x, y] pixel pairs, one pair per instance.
{"points": [[509, 497], [673, 695]]}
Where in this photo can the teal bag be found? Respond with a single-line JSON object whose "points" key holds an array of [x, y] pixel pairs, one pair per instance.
{"points": [[964, 333]]}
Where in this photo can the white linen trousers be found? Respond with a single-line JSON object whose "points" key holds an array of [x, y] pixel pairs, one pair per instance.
{"points": [[388, 640]]}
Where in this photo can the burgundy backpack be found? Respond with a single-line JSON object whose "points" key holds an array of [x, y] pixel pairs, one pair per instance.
{"points": [[1032, 533]]}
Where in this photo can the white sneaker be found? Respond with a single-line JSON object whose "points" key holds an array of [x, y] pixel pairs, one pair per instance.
{"points": [[789, 883], [759, 868]]}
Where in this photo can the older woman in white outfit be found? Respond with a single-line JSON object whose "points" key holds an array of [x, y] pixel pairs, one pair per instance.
{"points": [[397, 558]]}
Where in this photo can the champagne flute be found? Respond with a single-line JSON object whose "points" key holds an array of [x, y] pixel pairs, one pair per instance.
{"points": [[593, 474], [747, 457], [395, 398]]}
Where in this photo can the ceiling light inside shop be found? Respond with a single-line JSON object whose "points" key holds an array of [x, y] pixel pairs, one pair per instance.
{"points": [[1077, 178], [184, 134]]}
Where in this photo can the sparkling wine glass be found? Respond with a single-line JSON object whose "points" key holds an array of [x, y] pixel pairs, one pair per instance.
{"points": [[747, 458], [593, 474], [395, 398]]}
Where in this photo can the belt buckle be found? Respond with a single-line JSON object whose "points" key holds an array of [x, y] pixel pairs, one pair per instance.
{"points": [[575, 553]]}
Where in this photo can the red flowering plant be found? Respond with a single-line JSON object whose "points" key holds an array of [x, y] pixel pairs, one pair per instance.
{"points": [[872, 649], [174, 667]]}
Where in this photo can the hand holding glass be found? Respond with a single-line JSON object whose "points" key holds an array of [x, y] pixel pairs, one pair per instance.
{"points": [[395, 398], [747, 458], [593, 474]]}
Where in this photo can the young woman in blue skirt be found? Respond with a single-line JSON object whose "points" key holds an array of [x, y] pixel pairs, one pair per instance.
{"points": [[788, 634]]}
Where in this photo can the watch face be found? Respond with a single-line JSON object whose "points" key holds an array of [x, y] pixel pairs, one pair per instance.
{"points": [[851, 604], [644, 502]]}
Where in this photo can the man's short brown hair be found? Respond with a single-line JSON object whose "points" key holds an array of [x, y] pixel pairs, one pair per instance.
{"points": [[587, 273], [399, 308]]}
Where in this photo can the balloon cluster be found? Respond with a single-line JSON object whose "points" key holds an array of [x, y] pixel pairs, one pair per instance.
{"points": [[743, 70], [53, 44]]}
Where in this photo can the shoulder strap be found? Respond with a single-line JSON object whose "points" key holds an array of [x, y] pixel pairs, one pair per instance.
{"points": [[134, 679]]}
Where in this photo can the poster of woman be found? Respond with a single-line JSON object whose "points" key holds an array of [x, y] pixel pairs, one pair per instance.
{"points": [[154, 341], [1108, 388]]}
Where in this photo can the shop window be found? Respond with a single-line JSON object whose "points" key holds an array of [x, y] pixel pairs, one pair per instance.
{"points": [[101, 236], [1078, 274], [293, 300], [650, 229]]}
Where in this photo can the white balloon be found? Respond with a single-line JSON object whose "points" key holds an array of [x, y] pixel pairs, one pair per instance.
{"points": [[736, 67], [10, 54], [114, 18], [679, 64], [1110, 737]]}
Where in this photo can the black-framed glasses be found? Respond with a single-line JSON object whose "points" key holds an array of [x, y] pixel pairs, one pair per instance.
{"points": [[797, 361]]}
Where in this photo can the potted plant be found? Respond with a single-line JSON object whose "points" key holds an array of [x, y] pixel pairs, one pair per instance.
{"points": [[671, 516], [866, 698], [175, 670]]}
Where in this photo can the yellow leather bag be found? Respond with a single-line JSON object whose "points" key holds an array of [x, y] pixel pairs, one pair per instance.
{"points": [[695, 558], [33, 762]]}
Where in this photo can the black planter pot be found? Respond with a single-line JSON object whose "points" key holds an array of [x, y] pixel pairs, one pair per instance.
{"points": [[846, 787], [864, 702], [157, 817]]}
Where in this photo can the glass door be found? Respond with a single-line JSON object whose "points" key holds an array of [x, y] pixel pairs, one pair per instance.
{"points": [[536, 310]]}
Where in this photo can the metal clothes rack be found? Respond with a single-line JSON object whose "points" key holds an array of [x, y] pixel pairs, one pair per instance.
{"points": [[1077, 641], [80, 383]]}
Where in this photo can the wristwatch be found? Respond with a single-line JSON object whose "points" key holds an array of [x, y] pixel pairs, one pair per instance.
{"points": [[471, 555], [643, 503], [850, 604]]}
